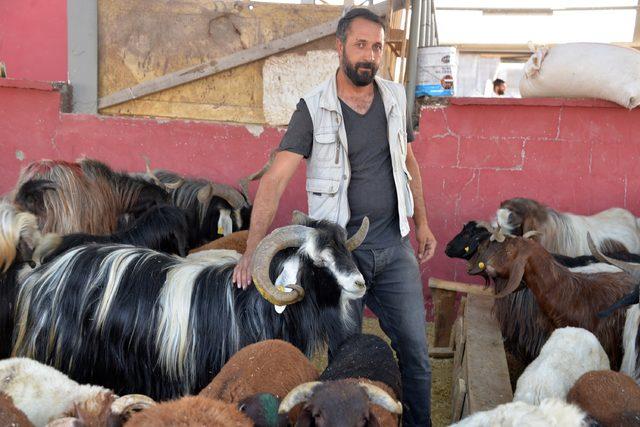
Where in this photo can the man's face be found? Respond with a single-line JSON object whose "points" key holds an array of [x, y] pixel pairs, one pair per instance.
{"points": [[500, 89], [361, 53]]}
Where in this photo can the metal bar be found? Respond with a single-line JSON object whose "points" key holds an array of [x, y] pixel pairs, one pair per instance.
{"points": [[82, 48], [422, 39], [536, 10], [636, 30], [412, 59]]}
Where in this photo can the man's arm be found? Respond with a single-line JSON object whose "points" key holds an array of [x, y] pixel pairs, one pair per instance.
{"points": [[265, 205], [426, 241]]}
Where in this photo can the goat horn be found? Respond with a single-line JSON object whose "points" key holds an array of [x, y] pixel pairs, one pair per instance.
{"points": [[379, 397], [224, 191], [530, 234], [279, 239], [130, 403], [300, 394], [65, 422], [299, 218], [631, 268], [357, 239], [244, 182]]}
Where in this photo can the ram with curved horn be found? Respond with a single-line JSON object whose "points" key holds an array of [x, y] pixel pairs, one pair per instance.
{"points": [[139, 321]]}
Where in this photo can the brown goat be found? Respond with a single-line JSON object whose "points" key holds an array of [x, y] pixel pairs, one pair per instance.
{"points": [[271, 366], [611, 398], [567, 298], [190, 411], [235, 241], [10, 415]]}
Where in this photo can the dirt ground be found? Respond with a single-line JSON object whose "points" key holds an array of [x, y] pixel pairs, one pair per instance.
{"points": [[440, 382]]}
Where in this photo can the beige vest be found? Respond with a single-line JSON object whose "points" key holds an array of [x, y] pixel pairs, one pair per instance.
{"points": [[328, 169]]}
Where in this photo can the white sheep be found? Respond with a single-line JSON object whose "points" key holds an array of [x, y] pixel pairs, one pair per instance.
{"points": [[550, 413], [565, 357]]}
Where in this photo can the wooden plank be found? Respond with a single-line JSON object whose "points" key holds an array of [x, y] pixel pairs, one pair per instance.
{"points": [[441, 352], [233, 60], [444, 312], [487, 372], [459, 287]]}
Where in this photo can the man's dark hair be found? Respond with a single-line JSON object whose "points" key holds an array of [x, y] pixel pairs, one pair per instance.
{"points": [[498, 82], [358, 12]]}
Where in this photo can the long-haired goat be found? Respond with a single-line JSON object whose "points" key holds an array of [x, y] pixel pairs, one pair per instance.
{"points": [[136, 320], [567, 298], [162, 228], [613, 230], [83, 197]]}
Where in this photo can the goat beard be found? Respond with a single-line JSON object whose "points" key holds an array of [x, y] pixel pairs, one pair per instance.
{"points": [[369, 70]]}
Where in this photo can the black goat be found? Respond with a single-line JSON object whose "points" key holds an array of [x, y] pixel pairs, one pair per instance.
{"points": [[136, 320], [162, 228]]}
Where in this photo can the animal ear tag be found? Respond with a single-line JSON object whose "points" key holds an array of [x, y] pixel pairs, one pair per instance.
{"points": [[481, 265], [225, 224], [466, 249], [280, 308]]}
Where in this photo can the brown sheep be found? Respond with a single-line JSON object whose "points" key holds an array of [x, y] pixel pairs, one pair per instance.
{"points": [[611, 398], [271, 366], [235, 241], [190, 411], [10, 415]]}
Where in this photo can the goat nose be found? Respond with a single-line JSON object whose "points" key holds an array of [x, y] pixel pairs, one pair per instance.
{"points": [[360, 284]]}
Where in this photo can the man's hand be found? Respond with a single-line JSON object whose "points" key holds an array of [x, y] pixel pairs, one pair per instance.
{"points": [[242, 271], [426, 243]]}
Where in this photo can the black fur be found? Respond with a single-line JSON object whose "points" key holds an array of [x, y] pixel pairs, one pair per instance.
{"points": [[627, 300]]}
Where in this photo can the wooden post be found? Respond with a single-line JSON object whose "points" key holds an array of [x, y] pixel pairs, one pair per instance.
{"points": [[443, 302]]}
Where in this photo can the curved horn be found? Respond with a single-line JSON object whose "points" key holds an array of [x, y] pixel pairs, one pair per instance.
{"points": [[279, 239], [125, 405], [357, 239], [300, 394], [299, 218], [379, 397], [631, 268], [515, 278], [244, 182], [224, 191], [532, 233]]}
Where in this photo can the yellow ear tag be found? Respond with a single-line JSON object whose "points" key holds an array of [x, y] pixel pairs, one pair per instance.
{"points": [[280, 288], [466, 248], [220, 230], [481, 265]]}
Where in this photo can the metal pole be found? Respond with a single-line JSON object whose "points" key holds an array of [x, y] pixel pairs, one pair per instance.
{"points": [[428, 22], [424, 24], [412, 59]]}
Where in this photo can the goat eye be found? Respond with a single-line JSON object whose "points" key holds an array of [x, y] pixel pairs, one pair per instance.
{"points": [[242, 408]]}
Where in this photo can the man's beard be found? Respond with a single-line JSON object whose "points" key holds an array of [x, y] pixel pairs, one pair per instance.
{"points": [[360, 74], [500, 91]]}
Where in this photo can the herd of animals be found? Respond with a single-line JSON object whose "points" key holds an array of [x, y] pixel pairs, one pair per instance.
{"points": [[566, 299], [118, 308]]}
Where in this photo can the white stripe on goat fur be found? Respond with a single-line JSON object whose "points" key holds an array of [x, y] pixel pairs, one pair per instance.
{"points": [[566, 356], [629, 361], [550, 413], [599, 267], [15, 225]]}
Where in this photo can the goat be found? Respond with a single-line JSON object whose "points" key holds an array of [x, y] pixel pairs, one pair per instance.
{"points": [[136, 320], [610, 398], [271, 366], [45, 394], [236, 241], [613, 230], [569, 353], [10, 415], [362, 382], [565, 297], [82, 197], [163, 228], [550, 413]]}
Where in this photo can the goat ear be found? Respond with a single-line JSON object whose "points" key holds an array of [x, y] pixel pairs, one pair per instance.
{"points": [[305, 419], [515, 278], [373, 420]]}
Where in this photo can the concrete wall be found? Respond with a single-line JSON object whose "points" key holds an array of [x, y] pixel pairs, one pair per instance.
{"points": [[33, 39], [573, 155]]}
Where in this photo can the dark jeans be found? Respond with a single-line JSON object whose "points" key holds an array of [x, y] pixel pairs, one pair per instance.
{"points": [[394, 294]]}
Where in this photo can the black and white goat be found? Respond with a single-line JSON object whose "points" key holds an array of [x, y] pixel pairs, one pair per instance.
{"points": [[133, 319], [614, 229]]}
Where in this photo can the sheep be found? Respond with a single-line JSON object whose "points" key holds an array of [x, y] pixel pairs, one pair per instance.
{"points": [[45, 394], [162, 227], [610, 398], [569, 353], [82, 197], [362, 382], [138, 321], [550, 413], [10, 415], [236, 241], [565, 297], [613, 230], [271, 366]]}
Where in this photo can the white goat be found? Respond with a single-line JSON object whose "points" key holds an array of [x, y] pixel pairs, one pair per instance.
{"points": [[629, 361]]}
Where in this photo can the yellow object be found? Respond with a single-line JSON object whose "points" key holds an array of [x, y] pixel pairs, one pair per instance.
{"points": [[466, 248], [280, 288], [481, 265], [221, 230]]}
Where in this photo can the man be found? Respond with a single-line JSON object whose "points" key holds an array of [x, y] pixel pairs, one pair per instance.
{"points": [[499, 87], [353, 131]]}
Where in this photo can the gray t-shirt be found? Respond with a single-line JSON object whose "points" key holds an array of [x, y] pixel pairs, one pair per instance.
{"points": [[372, 190]]}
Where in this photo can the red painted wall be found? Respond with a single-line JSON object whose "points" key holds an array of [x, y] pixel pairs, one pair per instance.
{"points": [[33, 39], [577, 156]]}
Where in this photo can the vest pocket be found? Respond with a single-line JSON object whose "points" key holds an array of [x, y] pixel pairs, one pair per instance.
{"points": [[322, 198], [325, 144]]}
